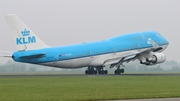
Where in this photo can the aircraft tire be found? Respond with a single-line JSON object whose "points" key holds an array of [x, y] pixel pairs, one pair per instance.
{"points": [[87, 72], [117, 72], [95, 72], [105, 72], [102, 72], [122, 70], [99, 72], [91, 72]]}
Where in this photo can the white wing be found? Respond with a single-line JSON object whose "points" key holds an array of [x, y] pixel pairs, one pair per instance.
{"points": [[131, 56]]}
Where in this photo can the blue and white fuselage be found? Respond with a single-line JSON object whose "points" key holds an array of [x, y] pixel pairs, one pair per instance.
{"points": [[144, 46], [94, 53]]}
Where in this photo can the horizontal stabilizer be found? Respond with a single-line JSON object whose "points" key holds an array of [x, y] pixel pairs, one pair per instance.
{"points": [[33, 56], [7, 56]]}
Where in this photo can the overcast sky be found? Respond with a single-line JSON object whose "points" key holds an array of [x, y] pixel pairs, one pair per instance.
{"points": [[64, 22]]}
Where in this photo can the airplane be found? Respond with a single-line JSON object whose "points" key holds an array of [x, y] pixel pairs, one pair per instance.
{"points": [[145, 46]]}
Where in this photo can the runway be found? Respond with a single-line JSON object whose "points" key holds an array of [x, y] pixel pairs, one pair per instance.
{"points": [[161, 99], [46, 75]]}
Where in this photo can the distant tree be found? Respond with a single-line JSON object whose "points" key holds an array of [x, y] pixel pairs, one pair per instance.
{"points": [[158, 68], [175, 68]]}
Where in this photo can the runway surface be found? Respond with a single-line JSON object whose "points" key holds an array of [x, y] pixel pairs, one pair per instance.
{"points": [[45, 75], [163, 99]]}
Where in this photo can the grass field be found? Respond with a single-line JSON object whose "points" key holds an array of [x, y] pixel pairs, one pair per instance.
{"points": [[88, 88]]}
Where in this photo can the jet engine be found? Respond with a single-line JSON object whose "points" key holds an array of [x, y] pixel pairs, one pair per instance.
{"points": [[156, 58]]}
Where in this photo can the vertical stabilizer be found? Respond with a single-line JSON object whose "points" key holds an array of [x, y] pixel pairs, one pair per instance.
{"points": [[25, 38]]}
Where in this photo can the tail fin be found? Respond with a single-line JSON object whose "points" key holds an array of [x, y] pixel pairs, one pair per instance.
{"points": [[25, 38]]}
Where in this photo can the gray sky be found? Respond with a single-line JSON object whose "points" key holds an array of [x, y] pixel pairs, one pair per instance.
{"points": [[64, 22]]}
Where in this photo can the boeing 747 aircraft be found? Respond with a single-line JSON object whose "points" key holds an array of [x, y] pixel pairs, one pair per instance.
{"points": [[145, 46]]}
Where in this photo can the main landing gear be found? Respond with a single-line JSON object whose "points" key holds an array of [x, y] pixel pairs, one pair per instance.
{"points": [[118, 71], [101, 71], [98, 70], [90, 71]]}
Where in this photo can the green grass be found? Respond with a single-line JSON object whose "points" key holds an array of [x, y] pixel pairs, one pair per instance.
{"points": [[83, 88]]}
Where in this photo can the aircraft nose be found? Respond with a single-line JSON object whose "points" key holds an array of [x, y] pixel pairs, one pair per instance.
{"points": [[166, 41]]}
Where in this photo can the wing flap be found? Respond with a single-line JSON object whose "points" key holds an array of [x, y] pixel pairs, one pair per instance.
{"points": [[123, 58], [112, 61]]}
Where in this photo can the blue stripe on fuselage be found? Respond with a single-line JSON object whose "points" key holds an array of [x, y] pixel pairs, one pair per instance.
{"points": [[117, 44]]}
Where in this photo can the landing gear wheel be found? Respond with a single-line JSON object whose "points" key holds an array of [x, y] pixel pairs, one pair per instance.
{"points": [[95, 72], [100, 72], [90, 71], [115, 72], [87, 72], [118, 71], [105, 72], [122, 70]]}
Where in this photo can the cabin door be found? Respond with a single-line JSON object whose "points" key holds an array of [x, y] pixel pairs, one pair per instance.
{"points": [[91, 54], [114, 50], [139, 47], [55, 60]]}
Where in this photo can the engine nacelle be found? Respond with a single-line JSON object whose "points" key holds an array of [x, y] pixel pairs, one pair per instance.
{"points": [[157, 58]]}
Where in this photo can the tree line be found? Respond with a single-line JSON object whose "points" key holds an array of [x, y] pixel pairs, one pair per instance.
{"points": [[11, 66]]}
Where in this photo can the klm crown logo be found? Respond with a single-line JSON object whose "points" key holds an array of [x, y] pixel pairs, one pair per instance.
{"points": [[25, 32], [26, 38], [149, 41]]}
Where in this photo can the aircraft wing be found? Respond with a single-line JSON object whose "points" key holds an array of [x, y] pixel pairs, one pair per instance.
{"points": [[124, 58], [131, 56]]}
